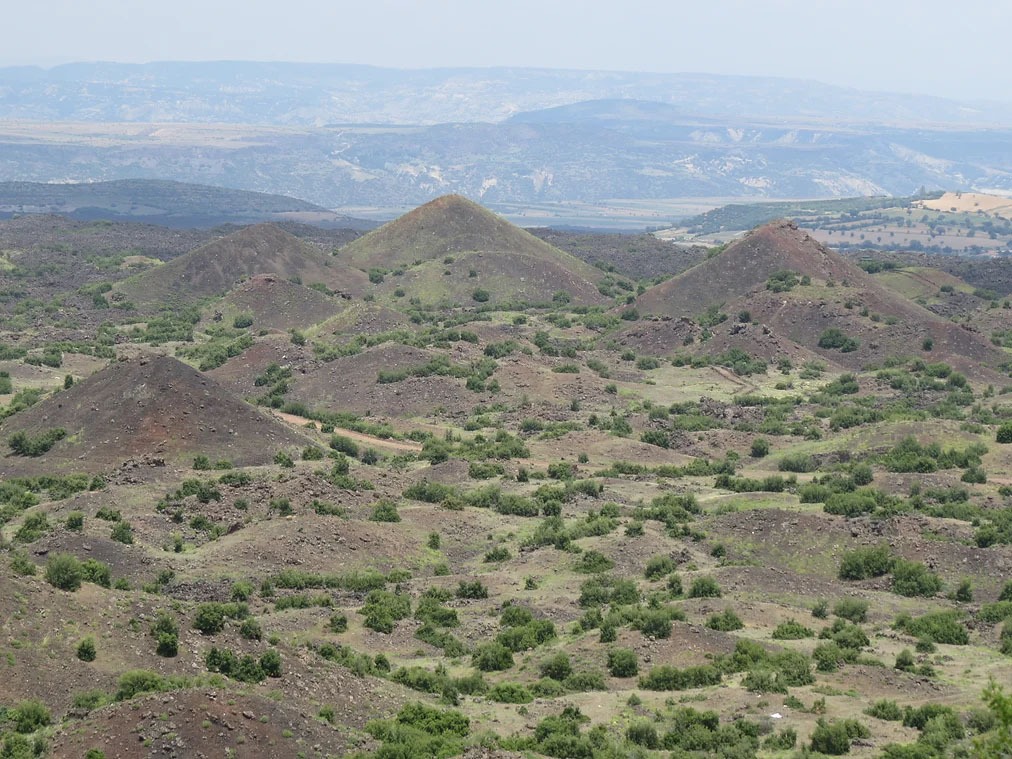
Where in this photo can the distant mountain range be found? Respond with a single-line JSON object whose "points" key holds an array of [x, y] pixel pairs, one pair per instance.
{"points": [[345, 136], [300, 94]]}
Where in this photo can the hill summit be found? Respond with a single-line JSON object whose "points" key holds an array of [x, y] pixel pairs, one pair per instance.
{"points": [[452, 245], [154, 406], [216, 267]]}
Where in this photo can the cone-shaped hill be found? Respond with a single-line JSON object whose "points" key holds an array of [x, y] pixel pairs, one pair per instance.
{"points": [[781, 278], [275, 303], [745, 265], [451, 247], [216, 267], [155, 406]]}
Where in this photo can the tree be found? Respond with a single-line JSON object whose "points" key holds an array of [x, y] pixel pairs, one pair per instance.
{"points": [[995, 743]]}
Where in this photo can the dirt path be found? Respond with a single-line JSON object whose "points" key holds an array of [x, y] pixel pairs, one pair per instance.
{"points": [[396, 445], [732, 377]]}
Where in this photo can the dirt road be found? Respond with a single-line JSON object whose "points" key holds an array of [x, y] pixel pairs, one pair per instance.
{"points": [[394, 445]]}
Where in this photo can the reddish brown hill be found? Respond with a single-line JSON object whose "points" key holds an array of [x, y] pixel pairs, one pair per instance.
{"points": [[840, 296], [451, 246], [215, 268], [154, 406], [745, 265], [275, 303]]}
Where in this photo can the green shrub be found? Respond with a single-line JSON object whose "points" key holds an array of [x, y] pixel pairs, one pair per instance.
{"points": [[497, 554], [492, 657], [791, 630], [834, 738], [344, 445], [853, 609], [782, 281], [523, 637], [665, 677], [21, 565], [96, 572], [510, 693], [166, 633], [75, 521], [655, 623], [784, 740], [885, 710], [137, 681], [556, 667], [86, 649], [250, 629], [242, 668], [1004, 434], [725, 621], [939, 627], [32, 528], [862, 563], [592, 562], [383, 609], [64, 571], [912, 578], [23, 444], [122, 532], [338, 623], [834, 338], [828, 656], [964, 591], [704, 587], [385, 511], [471, 589], [581, 682], [845, 634], [29, 716], [622, 662], [760, 448], [659, 566], [796, 463], [210, 617], [643, 733], [270, 663]]}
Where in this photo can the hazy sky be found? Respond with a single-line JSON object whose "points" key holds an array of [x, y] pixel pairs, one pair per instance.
{"points": [[954, 49]]}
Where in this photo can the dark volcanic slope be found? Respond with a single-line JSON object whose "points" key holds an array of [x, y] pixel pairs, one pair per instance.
{"points": [[276, 303], [218, 266], [154, 406]]}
